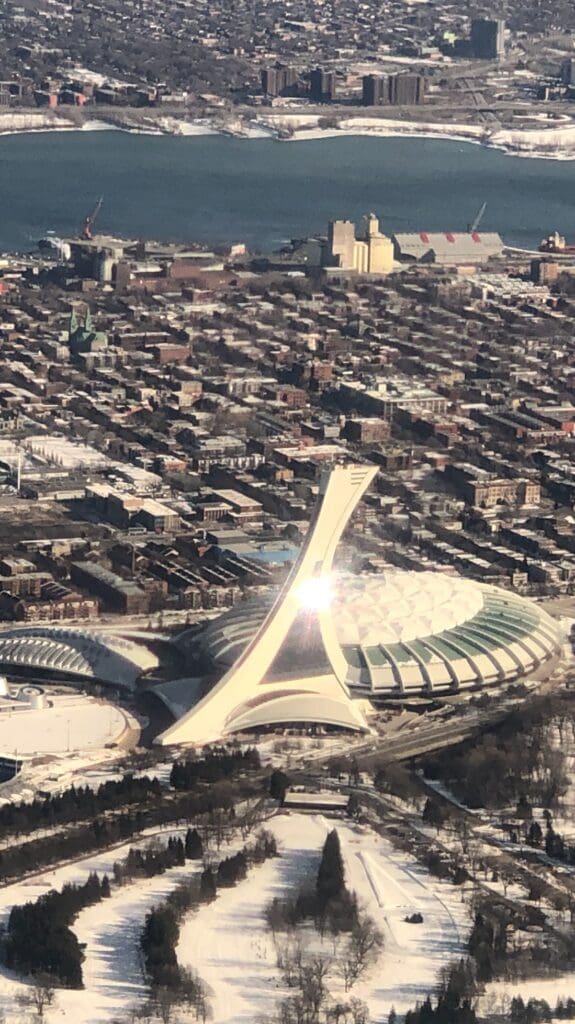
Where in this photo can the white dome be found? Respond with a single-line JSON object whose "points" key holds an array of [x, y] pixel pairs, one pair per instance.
{"points": [[403, 633], [401, 606]]}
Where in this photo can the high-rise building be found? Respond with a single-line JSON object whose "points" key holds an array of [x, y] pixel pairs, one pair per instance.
{"points": [[322, 86], [280, 80], [406, 90], [374, 90], [393, 90], [488, 38]]}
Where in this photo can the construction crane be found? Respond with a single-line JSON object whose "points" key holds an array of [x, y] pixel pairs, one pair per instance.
{"points": [[87, 228], [471, 228]]}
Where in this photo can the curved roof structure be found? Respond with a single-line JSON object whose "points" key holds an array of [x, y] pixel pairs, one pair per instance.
{"points": [[306, 654], [74, 652], [404, 632]]}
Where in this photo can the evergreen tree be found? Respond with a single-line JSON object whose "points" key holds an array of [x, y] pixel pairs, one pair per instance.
{"points": [[433, 813], [524, 809], [207, 885], [534, 834], [194, 845], [330, 884], [279, 783]]}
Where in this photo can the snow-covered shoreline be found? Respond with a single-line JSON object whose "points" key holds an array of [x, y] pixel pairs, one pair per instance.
{"points": [[551, 143]]}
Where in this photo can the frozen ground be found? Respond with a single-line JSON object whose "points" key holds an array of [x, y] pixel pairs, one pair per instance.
{"points": [[499, 994], [75, 722], [228, 945]]}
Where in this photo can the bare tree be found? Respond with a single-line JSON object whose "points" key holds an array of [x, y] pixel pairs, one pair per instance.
{"points": [[289, 959], [194, 993], [275, 916], [42, 995], [359, 1011], [364, 943], [312, 983], [165, 1000]]}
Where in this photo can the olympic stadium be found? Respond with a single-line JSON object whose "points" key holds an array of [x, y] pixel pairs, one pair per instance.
{"points": [[401, 633], [328, 646], [323, 651]]}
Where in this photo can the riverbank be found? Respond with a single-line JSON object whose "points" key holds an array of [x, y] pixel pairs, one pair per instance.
{"points": [[556, 142]]}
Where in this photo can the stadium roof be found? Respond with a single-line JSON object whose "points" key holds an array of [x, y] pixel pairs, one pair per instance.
{"points": [[98, 656], [403, 632]]}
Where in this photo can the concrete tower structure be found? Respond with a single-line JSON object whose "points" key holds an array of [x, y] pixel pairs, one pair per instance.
{"points": [[371, 252], [259, 690], [380, 252], [341, 243]]}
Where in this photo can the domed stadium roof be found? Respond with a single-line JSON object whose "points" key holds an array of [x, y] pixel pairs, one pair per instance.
{"points": [[406, 632], [74, 652]]}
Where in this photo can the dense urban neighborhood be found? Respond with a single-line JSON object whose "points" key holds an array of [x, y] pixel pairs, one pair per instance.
{"points": [[287, 530]]}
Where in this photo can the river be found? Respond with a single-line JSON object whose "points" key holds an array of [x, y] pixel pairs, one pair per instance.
{"points": [[263, 192]]}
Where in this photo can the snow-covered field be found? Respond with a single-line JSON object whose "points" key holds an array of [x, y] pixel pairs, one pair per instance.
{"points": [[227, 942], [228, 945], [77, 723]]}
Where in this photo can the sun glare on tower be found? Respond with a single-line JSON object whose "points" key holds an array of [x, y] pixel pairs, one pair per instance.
{"points": [[315, 594]]}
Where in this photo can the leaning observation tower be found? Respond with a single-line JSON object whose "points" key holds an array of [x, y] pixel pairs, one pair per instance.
{"points": [[257, 690]]}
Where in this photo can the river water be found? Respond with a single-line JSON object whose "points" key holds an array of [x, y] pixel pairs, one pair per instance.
{"points": [[221, 189]]}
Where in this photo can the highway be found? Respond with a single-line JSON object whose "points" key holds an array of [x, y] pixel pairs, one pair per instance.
{"points": [[421, 734]]}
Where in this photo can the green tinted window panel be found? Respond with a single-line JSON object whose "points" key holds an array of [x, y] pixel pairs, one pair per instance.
{"points": [[420, 650], [353, 657], [376, 655], [515, 611], [487, 640], [447, 650], [399, 652], [465, 642], [501, 627]]}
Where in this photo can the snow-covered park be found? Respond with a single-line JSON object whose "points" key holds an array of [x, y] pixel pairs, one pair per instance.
{"points": [[227, 943]]}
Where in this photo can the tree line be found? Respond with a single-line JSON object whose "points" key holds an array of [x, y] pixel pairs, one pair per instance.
{"points": [[489, 945], [39, 940], [535, 1011], [554, 843], [16, 861], [519, 759], [77, 803], [80, 803], [155, 860], [221, 763], [169, 982]]}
